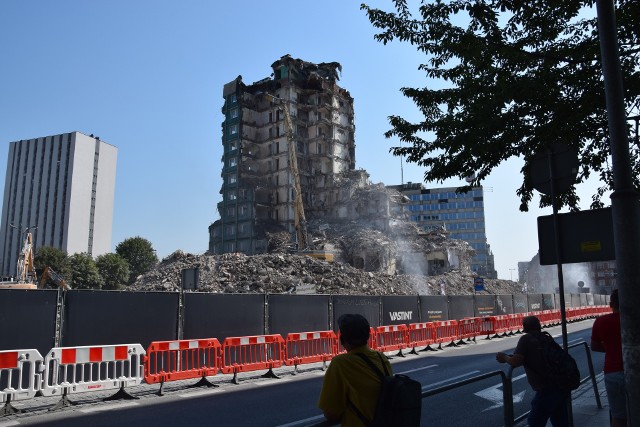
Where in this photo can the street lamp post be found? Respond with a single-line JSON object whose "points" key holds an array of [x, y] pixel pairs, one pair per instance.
{"points": [[511, 273]]}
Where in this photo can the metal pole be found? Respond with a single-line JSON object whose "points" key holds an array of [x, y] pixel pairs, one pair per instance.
{"points": [[558, 246], [625, 208], [556, 231]]}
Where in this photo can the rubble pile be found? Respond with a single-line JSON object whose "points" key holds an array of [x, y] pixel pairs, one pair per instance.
{"points": [[286, 273]]}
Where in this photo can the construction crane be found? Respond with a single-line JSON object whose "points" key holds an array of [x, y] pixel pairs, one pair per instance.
{"points": [[305, 246]]}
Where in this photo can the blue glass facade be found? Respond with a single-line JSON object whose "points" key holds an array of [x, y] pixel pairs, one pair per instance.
{"points": [[462, 214]]}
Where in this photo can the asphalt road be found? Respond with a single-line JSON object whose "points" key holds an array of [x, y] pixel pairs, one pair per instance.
{"points": [[291, 400]]}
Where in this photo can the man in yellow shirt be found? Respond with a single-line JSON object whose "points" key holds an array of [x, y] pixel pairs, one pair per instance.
{"points": [[349, 381]]}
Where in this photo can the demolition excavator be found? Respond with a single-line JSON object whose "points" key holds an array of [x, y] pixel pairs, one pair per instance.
{"points": [[26, 274], [305, 245], [52, 280]]}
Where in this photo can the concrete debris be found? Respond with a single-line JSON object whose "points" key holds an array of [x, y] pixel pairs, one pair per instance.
{"points": [[284, 273], [376, 250]]}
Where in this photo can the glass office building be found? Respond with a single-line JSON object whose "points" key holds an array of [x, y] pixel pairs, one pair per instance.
{"points": [[462, 214]]}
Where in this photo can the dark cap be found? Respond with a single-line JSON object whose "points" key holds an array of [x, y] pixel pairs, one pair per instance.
{"points": [[354, 329]]}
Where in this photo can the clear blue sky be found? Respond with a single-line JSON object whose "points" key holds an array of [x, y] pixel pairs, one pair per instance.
{"points": [[147, 77]]}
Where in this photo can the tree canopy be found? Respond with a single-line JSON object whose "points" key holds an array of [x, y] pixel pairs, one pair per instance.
{"points": [[84, 273], [114, 271], [56, 259], [512, 77], [139, 254]]}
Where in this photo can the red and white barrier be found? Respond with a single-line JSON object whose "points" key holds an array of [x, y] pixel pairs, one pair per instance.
{"points": [[392, 338], [422, 335], [20, 376], [446, 330], [486, 325], [467, 329], [92, 368], [245, 354], [310, 347], [181, 360]]}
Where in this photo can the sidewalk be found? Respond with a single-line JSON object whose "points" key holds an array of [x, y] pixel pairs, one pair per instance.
{"points": [[585, 408]]}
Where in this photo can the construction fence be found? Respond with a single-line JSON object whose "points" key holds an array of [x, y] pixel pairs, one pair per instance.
{"points": [[56, 318], [63, 371]]}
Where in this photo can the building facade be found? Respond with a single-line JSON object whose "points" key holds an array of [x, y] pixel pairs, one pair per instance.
{"points": [[61, 189], [462, 215], [523, 268], [602, 276], [258, 189]]}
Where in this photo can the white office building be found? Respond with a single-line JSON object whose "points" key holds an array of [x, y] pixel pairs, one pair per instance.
{"points": [[61, 189]]}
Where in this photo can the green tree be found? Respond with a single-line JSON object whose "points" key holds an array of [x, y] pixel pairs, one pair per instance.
{"points": [[508, 79], [114, 271], [56, 259], [84, 273], [140, 255]]}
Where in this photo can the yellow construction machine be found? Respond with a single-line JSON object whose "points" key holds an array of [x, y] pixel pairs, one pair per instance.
{"points": [[305, 246], [52, 280], [26, 273]]}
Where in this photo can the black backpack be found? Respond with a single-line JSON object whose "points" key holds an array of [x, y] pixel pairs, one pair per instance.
{"points": [[561, 369], [399, 402]]}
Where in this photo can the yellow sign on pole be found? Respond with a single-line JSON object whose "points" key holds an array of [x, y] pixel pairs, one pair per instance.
{"points": [[591, 246]]}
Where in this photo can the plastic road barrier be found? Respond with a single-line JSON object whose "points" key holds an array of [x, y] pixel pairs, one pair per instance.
{"points": [[467, 329], [20, 377], [421, 334], [182, 359], [519, 318], [556, 317], [446, 331], [310, 347], [245, 354], [545, 318], [391, 338], [486, 325], [514, 323], [572, 314], [501, 325], [92, 368]]}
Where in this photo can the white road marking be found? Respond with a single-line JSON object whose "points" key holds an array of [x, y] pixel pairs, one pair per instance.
{"points": [[418, 369], [108, 407], [494, 394], [200, 393], [9, 423]]}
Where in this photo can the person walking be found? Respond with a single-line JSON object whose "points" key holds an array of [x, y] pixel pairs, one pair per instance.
{"points": [[606, 337], [549, 402], [350, 386]]}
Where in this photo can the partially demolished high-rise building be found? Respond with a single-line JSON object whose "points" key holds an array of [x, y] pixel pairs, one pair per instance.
{"points": [[258, 189]]}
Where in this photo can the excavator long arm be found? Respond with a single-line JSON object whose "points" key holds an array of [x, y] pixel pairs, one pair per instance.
{"points": [[300, 221], [50, 276]]}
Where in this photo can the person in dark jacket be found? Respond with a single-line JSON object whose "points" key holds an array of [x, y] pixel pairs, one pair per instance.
{"points": [[549, 402]]}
